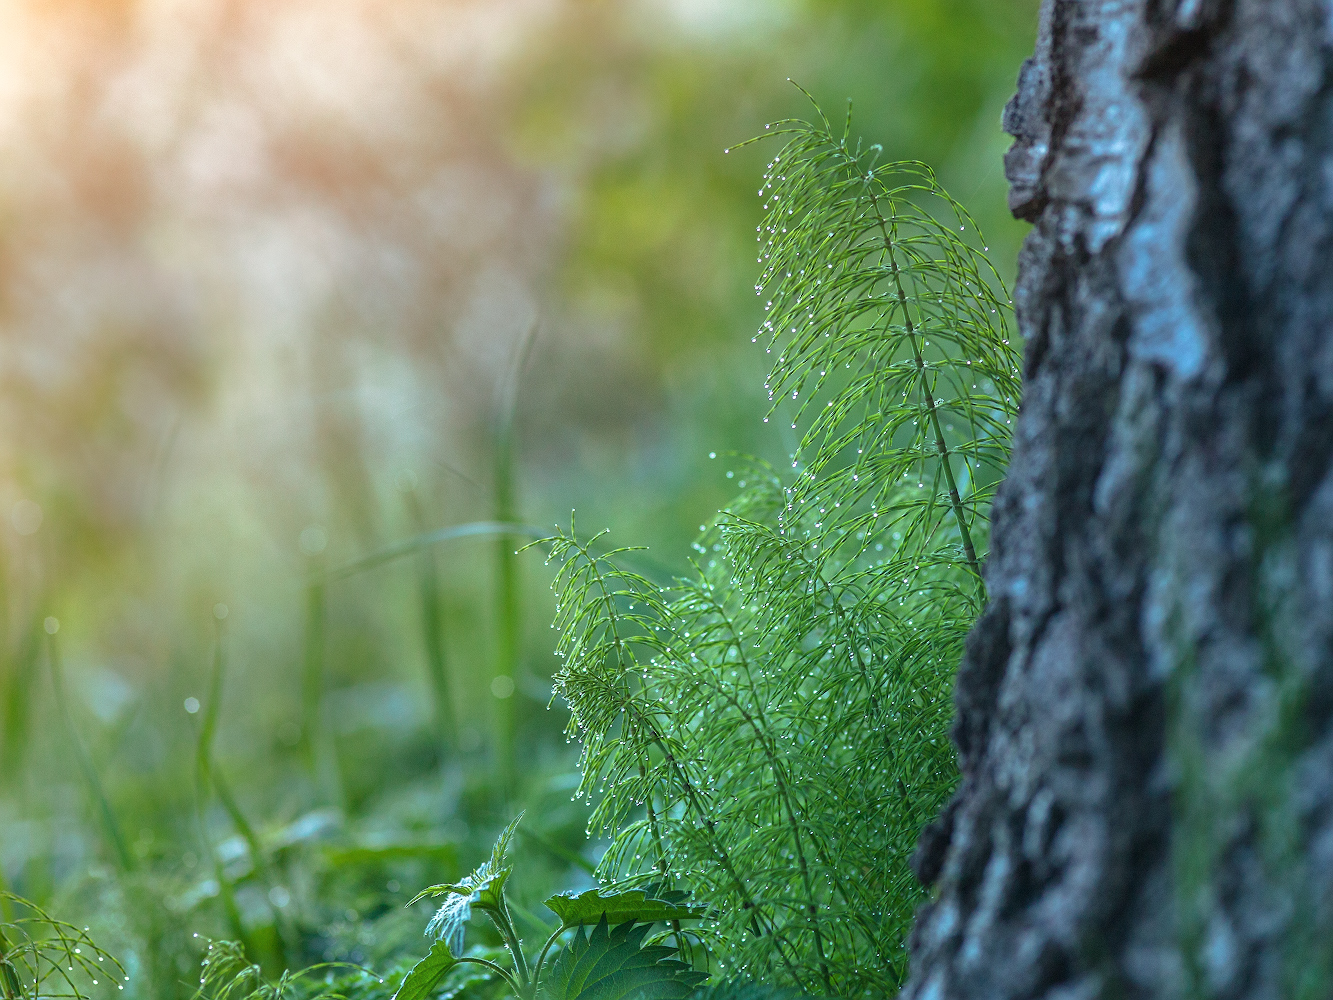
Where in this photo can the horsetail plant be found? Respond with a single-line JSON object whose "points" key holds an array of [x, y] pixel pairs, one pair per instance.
{"points": [[227, 974], [770, 733], [41, 956]]}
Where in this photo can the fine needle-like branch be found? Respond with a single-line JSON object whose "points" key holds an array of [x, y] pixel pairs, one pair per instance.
{"points": [[927, 393], [774, 729], [10, 987]]}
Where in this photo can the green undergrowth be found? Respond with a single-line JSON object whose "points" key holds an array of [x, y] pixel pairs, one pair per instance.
{"points": [[770, 732], [761, 740]]}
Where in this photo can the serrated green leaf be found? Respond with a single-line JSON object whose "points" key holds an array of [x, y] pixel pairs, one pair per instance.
{"points": [[480, 889], [627, 906], [613, 965], [483, 888], [426, 975], [501, 849]]}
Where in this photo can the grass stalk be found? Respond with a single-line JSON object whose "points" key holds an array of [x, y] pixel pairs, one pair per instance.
{"points": [[433, 631], [226, 895], [209, 779], [17, 707], [110, 826], [321, 758], [508, 624], [9, 685], [312, 667]]}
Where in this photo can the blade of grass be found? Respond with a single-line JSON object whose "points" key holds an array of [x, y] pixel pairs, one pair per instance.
{"points": [[312, 665], [9, 685], [411, 546], [226, 895], [209, 778], [507, 625], [432, 630], [6, 905], [110, 826], [321, 757], [17, 707], [563, 853]]}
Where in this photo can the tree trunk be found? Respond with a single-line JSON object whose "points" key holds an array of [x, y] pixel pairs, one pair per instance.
{"points": [[1144, 710]]}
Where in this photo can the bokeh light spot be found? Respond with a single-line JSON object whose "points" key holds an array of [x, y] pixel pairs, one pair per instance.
{"points": [[26, 517]]}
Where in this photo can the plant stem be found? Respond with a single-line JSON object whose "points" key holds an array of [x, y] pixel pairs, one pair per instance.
{"points": [[656, 831], [321, 757], [759, 726], [653, 826], [312, 667], [640, 722], [812, 908], [432, 630], [225, 894], [17, 708], [506, 610], [515, 944], [564, 854], [10, 987], [927, 394], [209, 776], [494, 968], [110, 826], [541, 956]]}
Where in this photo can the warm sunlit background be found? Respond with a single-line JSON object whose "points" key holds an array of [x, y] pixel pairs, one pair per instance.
{"points": [[278, 281]]}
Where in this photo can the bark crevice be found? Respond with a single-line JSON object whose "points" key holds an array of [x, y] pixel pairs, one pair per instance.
{"points": [[1145, 711]]}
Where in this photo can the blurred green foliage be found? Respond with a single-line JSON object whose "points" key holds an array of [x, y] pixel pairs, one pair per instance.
{"points": [[223, 368], [659, 240]]}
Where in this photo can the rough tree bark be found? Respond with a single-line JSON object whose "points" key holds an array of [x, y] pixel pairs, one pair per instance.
{"points": [[1145, 711]]}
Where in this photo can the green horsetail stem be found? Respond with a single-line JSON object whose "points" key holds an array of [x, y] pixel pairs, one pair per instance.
{"points": [[10, 987]]}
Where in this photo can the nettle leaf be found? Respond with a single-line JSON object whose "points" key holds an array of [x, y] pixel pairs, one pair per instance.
{"points": [[480, 889], [501, 849], [421, 981], [612, 964], [628, 906], [483, 889]]}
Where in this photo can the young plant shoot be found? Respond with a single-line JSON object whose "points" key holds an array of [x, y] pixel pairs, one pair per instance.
{"points": [[610, 962]]}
